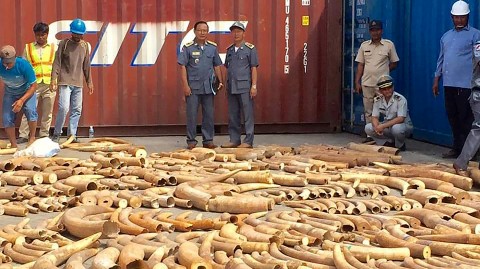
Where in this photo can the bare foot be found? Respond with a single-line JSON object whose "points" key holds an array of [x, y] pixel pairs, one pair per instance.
{"points": [[457, 169], [30, 141]]}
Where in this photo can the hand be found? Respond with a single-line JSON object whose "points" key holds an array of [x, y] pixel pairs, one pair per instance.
{"points": [[358, 88], [220, 86], [17, 106], [435, 88], [187, 91], [379, 129], [53, 86], [253, 92], [90, 89]]}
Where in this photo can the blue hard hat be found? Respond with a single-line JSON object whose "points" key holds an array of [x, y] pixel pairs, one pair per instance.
{"points": [[78, 27]]}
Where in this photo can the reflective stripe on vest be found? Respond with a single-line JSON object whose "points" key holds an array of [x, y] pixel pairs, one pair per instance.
{"points": [[41, 66]]}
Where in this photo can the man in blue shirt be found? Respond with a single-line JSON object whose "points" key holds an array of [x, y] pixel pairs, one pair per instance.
{"points": [[241, 63], [199, 60], [454, 65], [20, 85]]}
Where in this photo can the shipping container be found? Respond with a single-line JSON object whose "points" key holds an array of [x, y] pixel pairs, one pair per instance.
{"points": [[415, 26], [135, 44]]}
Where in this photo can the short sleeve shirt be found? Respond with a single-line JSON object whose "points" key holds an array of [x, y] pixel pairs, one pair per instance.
{"points": [[239, 62], [377, 58], [396, 107], [199, 61], [18, 79]]}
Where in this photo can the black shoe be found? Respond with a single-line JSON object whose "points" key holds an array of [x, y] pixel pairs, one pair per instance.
{"points": [[367, 140], [389, 144], [451, 154], [403, 148], [22, 140], [55, 138]]}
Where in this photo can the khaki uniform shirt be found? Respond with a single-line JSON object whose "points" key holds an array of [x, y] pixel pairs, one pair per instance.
{"points": [[377, 58]]}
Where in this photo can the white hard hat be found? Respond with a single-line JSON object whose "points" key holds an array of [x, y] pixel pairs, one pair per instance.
{"points": [[460, 8]]}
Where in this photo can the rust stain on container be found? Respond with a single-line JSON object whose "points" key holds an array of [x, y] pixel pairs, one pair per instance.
{"points": [[135, 46]]}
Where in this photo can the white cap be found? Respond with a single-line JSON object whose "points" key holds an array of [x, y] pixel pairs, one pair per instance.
{"points": [[460, 8]]}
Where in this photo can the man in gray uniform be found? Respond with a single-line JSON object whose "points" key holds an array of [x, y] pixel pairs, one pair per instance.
{"points": [[241, 63], [198, 61], [473, 139], [390, 119]]}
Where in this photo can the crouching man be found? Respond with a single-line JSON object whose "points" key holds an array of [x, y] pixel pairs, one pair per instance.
{"points": [[390, 121], [19, 94]]}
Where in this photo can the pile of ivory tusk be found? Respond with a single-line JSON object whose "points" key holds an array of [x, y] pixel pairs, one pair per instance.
{"points": [[315, 206]]}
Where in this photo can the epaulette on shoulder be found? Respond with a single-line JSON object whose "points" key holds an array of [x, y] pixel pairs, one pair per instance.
{"points": [[211, 43], [388, 41], [249, 45], [189, 44], [377, 98], [398, 97]]}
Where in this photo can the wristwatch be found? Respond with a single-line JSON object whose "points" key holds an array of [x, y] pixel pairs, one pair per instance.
{"points": [[254, 86]]}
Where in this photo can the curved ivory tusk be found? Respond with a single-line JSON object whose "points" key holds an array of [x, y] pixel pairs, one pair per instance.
{"points": [[74, 223], [188, 256], [239, 204], [76, 260], [339, 259], [106, 259], [129, 254], [120, 217], [58, 256], [387, 240]]}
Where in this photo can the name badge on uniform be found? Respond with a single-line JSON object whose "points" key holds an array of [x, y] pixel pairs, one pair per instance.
{"points": [[195, 53]]}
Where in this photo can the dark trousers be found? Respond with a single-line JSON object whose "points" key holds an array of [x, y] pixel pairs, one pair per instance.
{"points": [[459, 114], [206, 101]]}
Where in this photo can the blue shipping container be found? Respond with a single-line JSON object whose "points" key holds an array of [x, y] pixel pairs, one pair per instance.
{"points": [[415, 26]]}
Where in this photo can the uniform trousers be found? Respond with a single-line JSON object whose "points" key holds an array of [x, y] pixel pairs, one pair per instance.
{"points": [[193, 101], [368, 94], [472, 142], [397, 132], [236, 104]]}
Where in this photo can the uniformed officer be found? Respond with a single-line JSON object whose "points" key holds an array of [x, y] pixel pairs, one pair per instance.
{"points": [[199, 61], [390, 119], [473, 139], [375, 57], [241, 63]]}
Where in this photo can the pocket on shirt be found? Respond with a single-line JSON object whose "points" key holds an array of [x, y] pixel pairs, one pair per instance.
{"points": [[194, 82], [383, 54], [244, 82], [367, 54]]}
